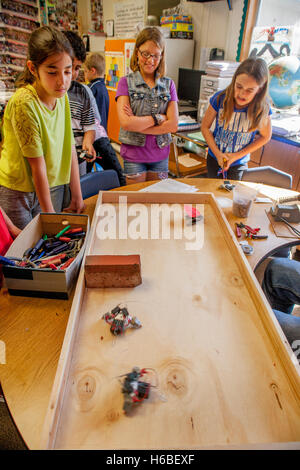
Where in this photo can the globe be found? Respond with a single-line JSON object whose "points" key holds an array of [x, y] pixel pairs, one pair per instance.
{"points": [[284, 86]]}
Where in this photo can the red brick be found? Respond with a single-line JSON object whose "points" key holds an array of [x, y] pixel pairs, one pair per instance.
{"points": [[113, 270]]}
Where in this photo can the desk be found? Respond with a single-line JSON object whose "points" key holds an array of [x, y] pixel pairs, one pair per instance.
{"points": [[33, 329], [175, 167]]}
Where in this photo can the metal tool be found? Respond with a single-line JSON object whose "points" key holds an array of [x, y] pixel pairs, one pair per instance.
{"points": [[288, 212], [221, 171], [250, 232]]}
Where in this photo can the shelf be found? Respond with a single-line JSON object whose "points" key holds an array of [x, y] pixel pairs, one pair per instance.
{"points": [[30, 4], [14, 41], [13, 54], [19, 15], [13, 67], [17, 28]]}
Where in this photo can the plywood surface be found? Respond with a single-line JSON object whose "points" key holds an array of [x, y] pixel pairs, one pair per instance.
{"points": [[224, 373]]}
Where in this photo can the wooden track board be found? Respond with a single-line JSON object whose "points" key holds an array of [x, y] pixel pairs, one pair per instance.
{"points": [[226, 375]]}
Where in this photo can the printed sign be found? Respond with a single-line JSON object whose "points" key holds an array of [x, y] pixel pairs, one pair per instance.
{"points": [[129, 17]]}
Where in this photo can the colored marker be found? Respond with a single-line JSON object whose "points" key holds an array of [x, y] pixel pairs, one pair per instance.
{"points": [[7, 261], [62, 231]]}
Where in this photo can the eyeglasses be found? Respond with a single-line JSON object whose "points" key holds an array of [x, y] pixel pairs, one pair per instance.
{"points": [[147, 56]]}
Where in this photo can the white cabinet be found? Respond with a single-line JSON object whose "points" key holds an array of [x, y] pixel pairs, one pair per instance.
{"points": [[179, 53]]}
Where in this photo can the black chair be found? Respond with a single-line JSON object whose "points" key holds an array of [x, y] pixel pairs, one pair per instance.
{"points": [[10, 438], [273, 177], [268, 175], [92, 183]]}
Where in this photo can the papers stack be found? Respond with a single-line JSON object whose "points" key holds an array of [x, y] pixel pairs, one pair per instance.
{"points": [[286, 126], [169, 186], [221, 68], [187, 123]]}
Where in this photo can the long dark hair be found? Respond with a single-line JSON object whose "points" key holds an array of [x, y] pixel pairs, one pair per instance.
{"points": [[43, 42], [258, 108]]}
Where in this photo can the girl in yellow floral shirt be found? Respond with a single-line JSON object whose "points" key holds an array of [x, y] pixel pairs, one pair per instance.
{"points": [[38, 164]]}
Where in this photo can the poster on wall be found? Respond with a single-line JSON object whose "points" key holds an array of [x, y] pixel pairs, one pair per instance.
{"points": [[97, 15], [114, 69], [62, 14], [128, 48], [129, 18], [272, 42]]}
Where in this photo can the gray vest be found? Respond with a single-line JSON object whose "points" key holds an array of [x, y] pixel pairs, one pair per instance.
{"points": [[145, 101]]}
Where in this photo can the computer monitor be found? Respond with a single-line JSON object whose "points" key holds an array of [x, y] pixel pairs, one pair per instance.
{"points": [[189, 85]]}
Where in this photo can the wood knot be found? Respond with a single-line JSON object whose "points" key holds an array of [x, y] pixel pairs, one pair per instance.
{"points": [[176, 378], [176, 381], [276, 392], [86, 387], [236, 280], [112, 415]]}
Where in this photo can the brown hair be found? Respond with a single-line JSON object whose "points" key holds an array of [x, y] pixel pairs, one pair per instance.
{"points": [[96, 61], [150, 33], [258, 108], [43, 42]]}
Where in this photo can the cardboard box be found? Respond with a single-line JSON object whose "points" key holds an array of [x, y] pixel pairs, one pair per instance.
{"points": [[181, 35], [34, 282], [175, 19], [179, 27]]}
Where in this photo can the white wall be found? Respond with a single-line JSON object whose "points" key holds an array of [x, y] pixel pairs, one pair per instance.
{"points": [[278, 13], [216, 26]]}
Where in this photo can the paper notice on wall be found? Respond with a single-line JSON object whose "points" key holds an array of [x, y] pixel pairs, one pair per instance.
{"points": [[129, 18], [128, 50]]}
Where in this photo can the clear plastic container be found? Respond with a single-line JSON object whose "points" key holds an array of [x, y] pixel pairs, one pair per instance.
{"points": [[243, 198]]}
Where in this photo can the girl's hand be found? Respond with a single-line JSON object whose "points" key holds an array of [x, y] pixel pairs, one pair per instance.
{"points": [[231, 157], [76, 205], [89, 148], [14, 231], [164, 118], [127, 110], [222, 160]]}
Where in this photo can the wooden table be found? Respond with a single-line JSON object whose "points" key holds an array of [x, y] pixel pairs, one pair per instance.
{"points": [[33, 329]]}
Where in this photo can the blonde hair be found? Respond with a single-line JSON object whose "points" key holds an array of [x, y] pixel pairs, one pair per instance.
{"points": [[258, 108], [150, 33], [96, 61]]}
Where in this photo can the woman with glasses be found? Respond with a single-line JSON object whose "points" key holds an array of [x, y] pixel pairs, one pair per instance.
{"points": [[147, 110]]}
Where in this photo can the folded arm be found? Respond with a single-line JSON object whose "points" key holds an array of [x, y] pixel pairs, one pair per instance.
{"points": [[145, 124]]}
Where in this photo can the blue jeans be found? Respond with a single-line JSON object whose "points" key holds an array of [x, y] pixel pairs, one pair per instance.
{"points": [[281, 285], [132, 168]]}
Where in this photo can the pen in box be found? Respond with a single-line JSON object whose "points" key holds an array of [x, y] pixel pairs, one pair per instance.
{"points": [[7, 261], [59, 234]]}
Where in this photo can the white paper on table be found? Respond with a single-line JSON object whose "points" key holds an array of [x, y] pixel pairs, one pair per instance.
{"points": [[188, 161], [263, 199], [170, 186]]}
